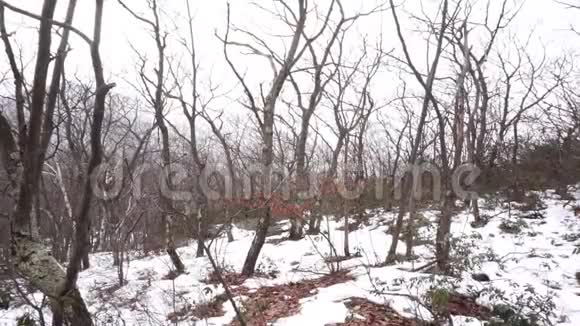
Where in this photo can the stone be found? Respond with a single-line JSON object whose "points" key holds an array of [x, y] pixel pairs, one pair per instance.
{"points": [[503, 311], [4, 300], [481, 277], [534, 216]]}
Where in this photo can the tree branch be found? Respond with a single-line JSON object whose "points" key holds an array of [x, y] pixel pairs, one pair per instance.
{"points": [[52, 21]]}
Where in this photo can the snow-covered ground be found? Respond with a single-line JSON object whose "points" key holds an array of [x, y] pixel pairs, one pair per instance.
{"points": [[533, 269]]}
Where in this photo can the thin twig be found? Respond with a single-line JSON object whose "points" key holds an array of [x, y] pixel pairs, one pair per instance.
{"points": [[54, 22], [225, 285]]}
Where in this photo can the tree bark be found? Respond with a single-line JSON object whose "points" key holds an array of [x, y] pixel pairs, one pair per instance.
{"points": [[31, 258], [410, 236], [427, 85], [157, 100], [18, 80], [267, 129]]}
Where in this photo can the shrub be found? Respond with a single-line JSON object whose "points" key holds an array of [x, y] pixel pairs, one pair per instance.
{"points": [[531, 202], [25, 320], [440, 301], [512, 227]]}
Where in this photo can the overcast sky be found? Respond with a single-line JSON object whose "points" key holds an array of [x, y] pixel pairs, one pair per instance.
{"points": [[549, 21]]}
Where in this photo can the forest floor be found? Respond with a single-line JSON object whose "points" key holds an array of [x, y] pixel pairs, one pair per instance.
{"points": [[520, 268]]}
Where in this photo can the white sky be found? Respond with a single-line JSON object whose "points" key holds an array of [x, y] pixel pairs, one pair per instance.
{"points": [[549, 21]]}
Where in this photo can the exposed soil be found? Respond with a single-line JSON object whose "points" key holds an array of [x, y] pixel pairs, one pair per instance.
{"points": [[265, 304], [365, 312], [271, 303], [460, 305]]}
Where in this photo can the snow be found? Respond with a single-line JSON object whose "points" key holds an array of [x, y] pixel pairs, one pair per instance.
{"points": [[536, 264]]}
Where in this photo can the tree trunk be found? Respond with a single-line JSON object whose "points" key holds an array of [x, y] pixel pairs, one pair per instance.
{"points": [[267, 159], [295, 228], [410, 236], [229, 233], [346, 232], [407, 193], [267, 129], [475, 209], [71, 311], [34, 260], [389, 193], [257, 243], [86, 263], [315, 217], [170, 248], [201, 234], [120, 269], [427, 100], [442, 245], [518, 193]]}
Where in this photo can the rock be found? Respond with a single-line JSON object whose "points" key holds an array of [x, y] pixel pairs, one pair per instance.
{"points": [[5, 299], [512, 227], [578, 277], [571, 237], [553, 285], [479, 224], [534, 216], [503, 311], [511, 318], [481, 277], [276, 229]]}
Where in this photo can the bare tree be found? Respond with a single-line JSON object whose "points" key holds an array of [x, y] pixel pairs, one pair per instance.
{"points": [[570, 5], [153, 89], [31, 258], [323, 72], [82, 241], [427, 85], [265, 116], [18, 79], [230, 180]]}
